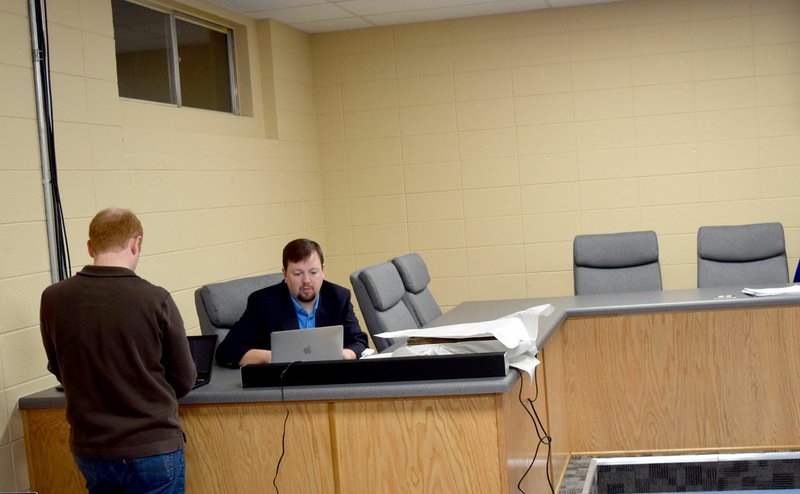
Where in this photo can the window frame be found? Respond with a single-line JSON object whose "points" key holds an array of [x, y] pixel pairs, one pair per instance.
{"points": [[173, 54]]}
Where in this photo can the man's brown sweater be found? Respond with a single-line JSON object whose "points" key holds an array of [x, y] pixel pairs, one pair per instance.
{"points": [[118, 345]]}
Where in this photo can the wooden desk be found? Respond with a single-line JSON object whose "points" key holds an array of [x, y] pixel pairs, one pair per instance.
{"points": [[666, 371], [680, 380], [472, 443], [657, 371]]}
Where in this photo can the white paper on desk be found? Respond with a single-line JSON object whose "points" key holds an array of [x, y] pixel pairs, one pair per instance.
{"points": [[516, 333], [510, 329], [766, 292]]}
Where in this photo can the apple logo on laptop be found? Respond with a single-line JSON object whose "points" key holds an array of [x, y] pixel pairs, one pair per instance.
{"points": [[307, 350]]}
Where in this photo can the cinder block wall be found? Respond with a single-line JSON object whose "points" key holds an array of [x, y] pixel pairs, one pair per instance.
{"points": [[485, 144]]}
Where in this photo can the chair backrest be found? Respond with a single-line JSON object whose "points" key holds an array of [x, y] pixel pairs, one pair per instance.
{"points": [[379, 291], [741, 255], [616, 262], [418, 297], [220, 305]]}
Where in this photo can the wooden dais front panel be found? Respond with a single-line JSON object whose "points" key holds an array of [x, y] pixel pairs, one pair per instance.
{"points": [[51, 468], [676, 380], [235, 448], [473, 443]]}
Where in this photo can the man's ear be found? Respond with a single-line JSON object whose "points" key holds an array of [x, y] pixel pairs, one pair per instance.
{"points": [[136, 245], [89, 248]]}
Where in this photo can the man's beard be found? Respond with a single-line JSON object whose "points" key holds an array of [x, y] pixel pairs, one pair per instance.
{"points": [[306, 298]]}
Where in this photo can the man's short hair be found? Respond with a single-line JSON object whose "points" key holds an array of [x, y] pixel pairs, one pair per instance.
{"points": [[301, 249], [111, 229]]}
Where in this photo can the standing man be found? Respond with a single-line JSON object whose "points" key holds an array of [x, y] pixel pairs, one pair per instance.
{"points": [[303, 300], [118, 345]]}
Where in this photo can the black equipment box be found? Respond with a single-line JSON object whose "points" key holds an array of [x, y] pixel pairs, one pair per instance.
{"points": [[395, 369]]}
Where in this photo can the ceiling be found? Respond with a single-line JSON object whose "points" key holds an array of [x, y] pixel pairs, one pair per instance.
{"points": [[317, 16]]}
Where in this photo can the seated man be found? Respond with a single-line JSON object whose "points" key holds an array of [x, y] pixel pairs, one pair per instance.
{"points": [[303, 300]]}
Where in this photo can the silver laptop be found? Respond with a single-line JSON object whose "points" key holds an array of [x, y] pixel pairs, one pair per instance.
{"points": [[307, 345]]}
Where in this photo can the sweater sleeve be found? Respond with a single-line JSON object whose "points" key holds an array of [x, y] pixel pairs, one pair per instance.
{"points": [[47, 339], [179, 368]]}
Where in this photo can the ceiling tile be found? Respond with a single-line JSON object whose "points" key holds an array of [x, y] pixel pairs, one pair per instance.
{"points": [[307, 13], [442, 13], [329, 15], [333, 25], [575, 3], [376, 7], [245, 6]]}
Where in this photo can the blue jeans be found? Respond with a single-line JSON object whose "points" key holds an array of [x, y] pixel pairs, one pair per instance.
{"points": [[158, 474]]}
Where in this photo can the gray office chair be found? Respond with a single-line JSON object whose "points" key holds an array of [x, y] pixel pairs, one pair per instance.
{"points": [[220, 305], [418, 297], [379, 291], [741, 255], [616, 262]]}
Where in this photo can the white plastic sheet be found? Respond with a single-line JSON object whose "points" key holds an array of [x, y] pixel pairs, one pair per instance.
{"points": [[515, 334], [768, 292]]}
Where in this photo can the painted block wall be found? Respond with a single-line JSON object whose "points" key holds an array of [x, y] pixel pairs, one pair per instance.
{"points": [[485, 144]]}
